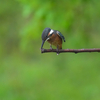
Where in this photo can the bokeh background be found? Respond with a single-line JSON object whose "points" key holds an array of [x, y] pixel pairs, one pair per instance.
{"points": [[25, 73]]}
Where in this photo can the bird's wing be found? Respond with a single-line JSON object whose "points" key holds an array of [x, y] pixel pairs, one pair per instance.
{"points": [[61, 35]]}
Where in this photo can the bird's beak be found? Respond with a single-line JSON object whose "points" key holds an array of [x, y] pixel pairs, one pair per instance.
{"points": [[48, 37], [42, 44]]}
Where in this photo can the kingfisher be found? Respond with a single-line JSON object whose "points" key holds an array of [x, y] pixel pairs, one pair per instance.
{"points": [[54, 37]]}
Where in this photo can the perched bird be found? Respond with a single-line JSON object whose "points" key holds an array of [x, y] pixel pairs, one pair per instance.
{"points": [[54, 37]]}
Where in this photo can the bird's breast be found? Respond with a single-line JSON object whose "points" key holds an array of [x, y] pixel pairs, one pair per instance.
{"points": [[55, 40]]}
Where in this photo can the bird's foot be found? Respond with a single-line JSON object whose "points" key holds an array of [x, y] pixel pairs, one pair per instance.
{"points": [[51, 47], [57, 51]]}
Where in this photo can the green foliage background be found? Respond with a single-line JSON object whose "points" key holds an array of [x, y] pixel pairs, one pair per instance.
{"points": [[25, 73]]}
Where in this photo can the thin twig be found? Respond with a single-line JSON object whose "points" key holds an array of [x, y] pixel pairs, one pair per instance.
{"points": [[70, 50]]}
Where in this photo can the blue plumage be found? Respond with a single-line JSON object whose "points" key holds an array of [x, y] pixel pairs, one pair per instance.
{"points": [[62, 37]]}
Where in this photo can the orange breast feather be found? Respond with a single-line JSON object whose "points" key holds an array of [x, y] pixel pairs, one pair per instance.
{"points": [[55, 40]]}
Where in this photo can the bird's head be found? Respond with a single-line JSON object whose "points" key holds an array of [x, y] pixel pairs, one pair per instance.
{"points": [[45, 35]]}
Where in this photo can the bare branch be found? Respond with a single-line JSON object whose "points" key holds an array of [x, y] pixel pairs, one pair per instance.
{"points": [[70, 50]]}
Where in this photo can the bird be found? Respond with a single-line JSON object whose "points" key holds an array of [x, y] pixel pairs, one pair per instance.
{"points": [[54, 37]]}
